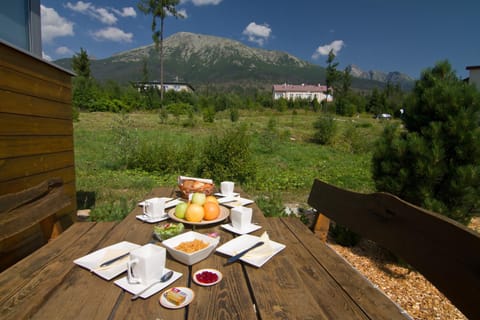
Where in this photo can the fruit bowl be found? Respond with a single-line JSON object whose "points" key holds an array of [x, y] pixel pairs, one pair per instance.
{"points": [[192, 186], [193, 257], [224, 213]]}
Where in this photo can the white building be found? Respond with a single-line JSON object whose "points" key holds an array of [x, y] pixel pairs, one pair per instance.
{"points": [[303, 91], [176, 86], [474, 76]]}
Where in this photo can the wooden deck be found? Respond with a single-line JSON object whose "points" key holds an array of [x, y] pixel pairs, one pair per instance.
{"points": [[306, 280]]}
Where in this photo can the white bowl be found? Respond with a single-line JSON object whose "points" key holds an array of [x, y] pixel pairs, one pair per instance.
{"points": [[194, 257]]}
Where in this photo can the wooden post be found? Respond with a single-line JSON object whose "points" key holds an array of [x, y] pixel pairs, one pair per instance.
{"points": [[321, 227]]}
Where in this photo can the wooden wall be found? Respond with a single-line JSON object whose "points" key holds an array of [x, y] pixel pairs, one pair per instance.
{"points": [[36, 130]]}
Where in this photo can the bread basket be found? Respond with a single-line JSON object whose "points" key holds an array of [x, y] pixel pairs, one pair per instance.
{"points": [[188, 186]]}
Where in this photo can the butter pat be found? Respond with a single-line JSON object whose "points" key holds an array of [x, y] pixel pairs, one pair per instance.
{"points": [[176, 296]]}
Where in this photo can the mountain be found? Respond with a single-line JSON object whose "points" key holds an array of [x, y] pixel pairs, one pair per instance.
{"points": [[208, 61], [405, 81]]}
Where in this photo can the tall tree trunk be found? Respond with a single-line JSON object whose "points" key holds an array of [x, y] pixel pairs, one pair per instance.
{"points": [[162, 89]]}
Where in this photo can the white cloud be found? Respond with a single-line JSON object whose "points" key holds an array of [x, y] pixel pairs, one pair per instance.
{"points": [[324, 50], [257, 33], [53, 25], [183, 13], [205, 2], [113, 34], [101, 14], [126, 12], [64, 51], [46, 56]]}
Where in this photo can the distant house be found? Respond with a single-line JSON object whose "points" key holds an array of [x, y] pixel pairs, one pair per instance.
{"points": [[176, 86], [474, 76], [303, 91]]}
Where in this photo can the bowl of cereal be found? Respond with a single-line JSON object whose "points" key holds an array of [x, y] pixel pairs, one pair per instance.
{"points": [[190, 247]]}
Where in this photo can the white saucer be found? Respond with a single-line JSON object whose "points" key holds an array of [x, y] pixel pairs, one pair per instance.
{"points": [[189, 297], [252, 227], [207, 284], [135, 288], [169, 202], [233, 194], [147, 219]]}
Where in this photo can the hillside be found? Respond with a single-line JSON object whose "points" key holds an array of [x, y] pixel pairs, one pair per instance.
{"points": [[204, 60]]}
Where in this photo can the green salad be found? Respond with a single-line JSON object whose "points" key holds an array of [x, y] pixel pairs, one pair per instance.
{"points": [[168, 230]]}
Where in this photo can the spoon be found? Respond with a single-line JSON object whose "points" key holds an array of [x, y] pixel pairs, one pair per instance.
{"points": [[164, 278]]}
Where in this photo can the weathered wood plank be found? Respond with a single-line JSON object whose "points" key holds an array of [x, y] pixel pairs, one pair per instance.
{"points": [[374, 303], [15, 168], [67, 174], [11, 147], [45, 271], [280, 285], [15, 103], [439, 248], [24, 125]]}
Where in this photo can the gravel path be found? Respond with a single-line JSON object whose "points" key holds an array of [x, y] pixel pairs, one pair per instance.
{"points": [[409, 289]]}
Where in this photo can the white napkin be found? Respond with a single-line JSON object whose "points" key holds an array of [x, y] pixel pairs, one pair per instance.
{"points": [[109, 255], [182, 178], [264, 250]]}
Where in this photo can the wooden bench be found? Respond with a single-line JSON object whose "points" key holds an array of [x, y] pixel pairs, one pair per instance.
{"points": [[27, 219], [444, 251]]}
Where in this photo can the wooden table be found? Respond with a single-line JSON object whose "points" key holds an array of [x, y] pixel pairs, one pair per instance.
{"points": [[307, 280]]}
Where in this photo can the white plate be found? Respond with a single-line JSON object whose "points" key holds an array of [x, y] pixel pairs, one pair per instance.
{"points": [[238, 244], [137, 287], [207, 284], [167, 304], [233, 194], [252, 227], [169, 202], [93, 260], [234, 201], [147, 219]]}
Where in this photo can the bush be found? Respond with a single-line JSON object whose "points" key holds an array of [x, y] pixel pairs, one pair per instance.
{"points": [[435, 163], [344, 236], [325, 130], [228, 156]]}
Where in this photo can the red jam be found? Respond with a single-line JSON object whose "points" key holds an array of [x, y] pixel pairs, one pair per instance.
{"points": [[207, 277]]}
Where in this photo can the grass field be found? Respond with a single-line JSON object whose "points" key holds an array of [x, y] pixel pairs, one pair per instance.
{"points": [[286, 159]]}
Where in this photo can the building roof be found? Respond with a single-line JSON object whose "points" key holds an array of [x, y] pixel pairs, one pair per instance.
{"points": [[299, 88], [472, 67]]}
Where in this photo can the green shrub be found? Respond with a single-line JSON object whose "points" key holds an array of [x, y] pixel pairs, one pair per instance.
{"points": [[271, 205], [228, 156], [209, 114], [325, 130], [344, 236], [234, 114]]}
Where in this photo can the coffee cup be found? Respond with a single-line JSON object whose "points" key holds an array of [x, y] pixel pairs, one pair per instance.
{"points": [[154, 208], [241, 217], [146, 264], [226, 187]]}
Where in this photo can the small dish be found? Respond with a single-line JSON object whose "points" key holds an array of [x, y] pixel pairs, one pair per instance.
{"points": [[93, 260], [192, 257], [147, 219], [235, 201], [252, 227], [197, 277], [233, 194], [136, 288], [167, 304]]}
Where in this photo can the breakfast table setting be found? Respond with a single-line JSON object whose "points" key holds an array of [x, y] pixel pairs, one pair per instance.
{"points": [[169, 259]]}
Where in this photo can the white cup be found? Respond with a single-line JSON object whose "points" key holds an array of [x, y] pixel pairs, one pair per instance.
{"points": [[226, 187], [154, 208], [146, 264], [241, 217]]}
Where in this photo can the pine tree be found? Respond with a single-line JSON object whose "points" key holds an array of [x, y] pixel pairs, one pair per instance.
{"points": [[435, 162]]}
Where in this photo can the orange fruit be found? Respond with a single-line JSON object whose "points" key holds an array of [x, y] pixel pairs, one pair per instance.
{"points": [[211, 199], [195, 213], [211, 209]]}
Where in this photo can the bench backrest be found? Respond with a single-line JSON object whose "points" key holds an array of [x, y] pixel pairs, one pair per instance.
{"points": [[27, 219], [442, 250]]}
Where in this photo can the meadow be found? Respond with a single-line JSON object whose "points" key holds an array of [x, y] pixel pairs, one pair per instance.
{"points": [[285, 158]]}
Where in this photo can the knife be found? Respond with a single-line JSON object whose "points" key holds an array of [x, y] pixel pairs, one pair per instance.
{"points": [[109, 262], [241, 254]]}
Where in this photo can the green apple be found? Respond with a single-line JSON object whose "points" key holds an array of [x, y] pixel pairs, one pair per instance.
{"points": [[180, 210], [199, 198]]}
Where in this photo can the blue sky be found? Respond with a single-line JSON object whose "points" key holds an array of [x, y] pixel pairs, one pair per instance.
{"points": [[387, 35]]}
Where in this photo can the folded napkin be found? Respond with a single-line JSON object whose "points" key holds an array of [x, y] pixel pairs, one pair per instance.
{"points": [[111, 254], [182, 178], [264, 250]]}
